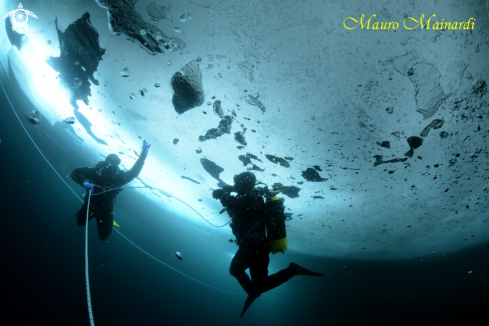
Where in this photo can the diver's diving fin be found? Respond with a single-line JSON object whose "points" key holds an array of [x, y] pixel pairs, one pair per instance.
{"points": [[114, 223], [248, 302], [298, 270]]}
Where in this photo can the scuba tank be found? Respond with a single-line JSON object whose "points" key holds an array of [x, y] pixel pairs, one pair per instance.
{"points": [[275, 217]]}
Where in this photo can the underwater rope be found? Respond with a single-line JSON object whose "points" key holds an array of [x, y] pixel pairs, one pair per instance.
{"points": [[87, 279], [176, 270], [170, 196]]}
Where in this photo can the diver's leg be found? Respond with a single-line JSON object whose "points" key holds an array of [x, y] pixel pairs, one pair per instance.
{"points": [[264, 282], [259, 271], [237, 269], [81, 215], [104, 226]]}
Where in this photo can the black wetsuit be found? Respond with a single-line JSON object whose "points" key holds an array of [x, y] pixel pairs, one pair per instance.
{"points": [[250, 221], [103, 178]]}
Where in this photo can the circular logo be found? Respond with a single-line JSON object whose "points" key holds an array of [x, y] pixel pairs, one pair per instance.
{"points": [[20, 18]]}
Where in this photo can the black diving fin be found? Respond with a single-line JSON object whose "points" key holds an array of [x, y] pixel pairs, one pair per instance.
{"points": [[248, 302], [298, 270]]}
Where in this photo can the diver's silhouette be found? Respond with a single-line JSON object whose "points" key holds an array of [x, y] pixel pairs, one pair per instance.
{"points": [[259, 228], [104, 176]]}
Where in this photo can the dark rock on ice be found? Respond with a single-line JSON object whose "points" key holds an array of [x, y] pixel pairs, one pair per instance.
{"points": [[79, 47], [211, 134], [385, 144], [247, 161], [414, 142], [435, 124], [223, 128], [311, 175], [379, 160], [217, 109], [479, 87], [290, 191], [125, 20], [253, 100], [187, 88], [225, 124], [240, 138], [212, 168], [279, 160]]}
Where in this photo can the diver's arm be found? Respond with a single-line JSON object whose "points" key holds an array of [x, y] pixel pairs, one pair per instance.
{"points": [[228, 201], [128, 176], [83, 174]]}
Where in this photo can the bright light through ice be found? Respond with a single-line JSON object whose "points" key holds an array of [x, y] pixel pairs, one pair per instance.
{"points": [[40, 82]]}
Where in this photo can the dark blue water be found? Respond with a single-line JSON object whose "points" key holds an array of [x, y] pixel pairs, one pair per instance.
{"points": [[43, 281]]}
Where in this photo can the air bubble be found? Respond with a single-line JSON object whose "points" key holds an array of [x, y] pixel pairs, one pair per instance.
{"points": [[183, 18], [124, 72], [77, 82]]}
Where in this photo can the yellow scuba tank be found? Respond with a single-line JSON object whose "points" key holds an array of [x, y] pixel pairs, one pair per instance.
{"points": [[275, 222]]}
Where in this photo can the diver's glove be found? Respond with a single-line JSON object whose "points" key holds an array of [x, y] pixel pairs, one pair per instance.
{"points": [[145, 150], [279, 245], [217, 194], [88, 186]]}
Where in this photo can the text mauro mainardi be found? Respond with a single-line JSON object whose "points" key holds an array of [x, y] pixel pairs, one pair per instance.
{"points": [[409, 23]]}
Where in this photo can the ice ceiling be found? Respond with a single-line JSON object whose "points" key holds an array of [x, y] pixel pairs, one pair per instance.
{"points": [[377, 138]]}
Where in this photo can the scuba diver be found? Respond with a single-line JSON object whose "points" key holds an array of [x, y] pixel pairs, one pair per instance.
{"points": [[259, 227], [104, 176]]}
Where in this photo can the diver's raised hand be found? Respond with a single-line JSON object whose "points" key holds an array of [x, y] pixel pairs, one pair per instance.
{"points": [[88, 186], [145, 150]]}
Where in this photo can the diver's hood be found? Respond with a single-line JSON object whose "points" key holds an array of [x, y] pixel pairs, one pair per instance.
{"points": [[244, 182]]}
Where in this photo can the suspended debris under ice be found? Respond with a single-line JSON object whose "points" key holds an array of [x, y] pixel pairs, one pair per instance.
{"points": [[70, 120], [179, 255], [124, 72], [34, 116]]}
